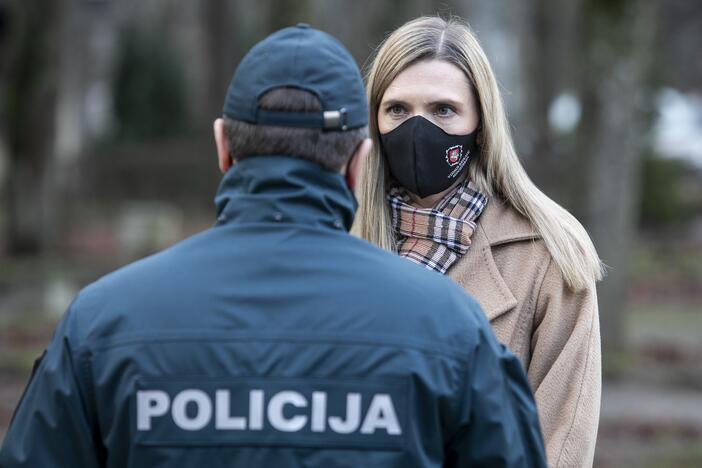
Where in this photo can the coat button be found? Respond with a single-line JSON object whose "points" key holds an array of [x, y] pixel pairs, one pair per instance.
{"points": [[278, 216], [222, 218], [337, 224]]}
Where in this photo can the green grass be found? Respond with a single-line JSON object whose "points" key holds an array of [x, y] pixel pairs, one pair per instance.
{"points": [[666, 261], [690, 457], [677, 322], [19, 361]]}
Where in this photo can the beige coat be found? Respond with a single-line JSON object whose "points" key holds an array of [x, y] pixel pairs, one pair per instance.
{"points": [[552, 330]]}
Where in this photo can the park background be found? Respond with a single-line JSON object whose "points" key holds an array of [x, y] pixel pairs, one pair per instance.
{"points": [[106, 156]]}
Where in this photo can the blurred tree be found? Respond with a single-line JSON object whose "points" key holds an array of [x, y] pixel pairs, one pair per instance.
{"points": [[149, 86], [547, 51], [662, 200], [681, 23], [614, 64], [27, 117], [283, 13], [216, 22], [228, 28]]}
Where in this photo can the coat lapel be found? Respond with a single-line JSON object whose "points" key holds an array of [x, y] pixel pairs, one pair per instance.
{"points": [[476, 272]]}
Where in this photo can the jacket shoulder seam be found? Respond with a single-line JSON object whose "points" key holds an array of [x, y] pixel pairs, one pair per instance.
{"points": [[451, 353]]}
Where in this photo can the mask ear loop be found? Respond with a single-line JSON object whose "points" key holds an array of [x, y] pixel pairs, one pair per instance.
{"points": [[479, 130]]}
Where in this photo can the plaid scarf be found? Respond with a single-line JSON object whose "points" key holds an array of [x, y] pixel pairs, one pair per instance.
{"points": [[435, 237]]}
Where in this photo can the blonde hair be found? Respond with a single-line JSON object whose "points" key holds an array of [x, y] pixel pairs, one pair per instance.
{"points": [[496, 171]]}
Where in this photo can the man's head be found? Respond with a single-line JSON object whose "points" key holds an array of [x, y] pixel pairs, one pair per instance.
{"points": [[296, 93]]}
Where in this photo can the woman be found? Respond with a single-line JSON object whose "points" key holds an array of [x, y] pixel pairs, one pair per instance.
{"points": [[445, 189]]}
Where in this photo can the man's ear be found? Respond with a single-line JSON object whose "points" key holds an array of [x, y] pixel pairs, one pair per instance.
{"points": [[353, 168], [222, 142]]}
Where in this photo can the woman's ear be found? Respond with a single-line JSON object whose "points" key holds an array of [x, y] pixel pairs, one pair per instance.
{"points": [[222, 142]]}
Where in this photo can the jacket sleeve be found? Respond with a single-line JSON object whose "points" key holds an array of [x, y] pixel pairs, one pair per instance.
{"points": [[50, 426], [565, 370], [499, 423]]}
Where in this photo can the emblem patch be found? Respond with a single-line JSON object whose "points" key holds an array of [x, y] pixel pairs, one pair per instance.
{"points": [[453, 155]]}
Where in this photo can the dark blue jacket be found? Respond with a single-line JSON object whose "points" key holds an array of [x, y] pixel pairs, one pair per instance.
{"points": [[275, 339]]}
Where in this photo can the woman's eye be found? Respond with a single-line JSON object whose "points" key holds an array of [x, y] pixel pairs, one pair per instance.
{"points": [[396, 110], [444, 111]]}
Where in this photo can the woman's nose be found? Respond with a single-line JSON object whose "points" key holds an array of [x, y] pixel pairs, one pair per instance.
{"points": [[427, 115]]}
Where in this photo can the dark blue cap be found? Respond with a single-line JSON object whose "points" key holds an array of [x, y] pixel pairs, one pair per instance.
{"points": [[304, 58]]}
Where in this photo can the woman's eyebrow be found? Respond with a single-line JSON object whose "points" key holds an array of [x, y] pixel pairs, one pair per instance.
{"points": [[393, 102], [434, 101], [449, 101]]}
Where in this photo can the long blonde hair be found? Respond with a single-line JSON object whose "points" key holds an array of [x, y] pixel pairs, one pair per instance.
{"points": [[496, 171]]}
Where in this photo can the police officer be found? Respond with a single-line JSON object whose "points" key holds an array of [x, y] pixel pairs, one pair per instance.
{"points": [[276, 338]]}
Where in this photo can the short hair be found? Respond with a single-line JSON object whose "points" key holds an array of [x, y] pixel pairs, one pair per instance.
{"points": [[329, 149]]}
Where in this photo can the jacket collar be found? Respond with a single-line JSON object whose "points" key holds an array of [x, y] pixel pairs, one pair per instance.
{"points": [[262, 189], [477, 271], [502, 224]]}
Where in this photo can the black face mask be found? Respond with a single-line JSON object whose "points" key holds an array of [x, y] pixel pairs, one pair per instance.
{"points": [[425, 159]]}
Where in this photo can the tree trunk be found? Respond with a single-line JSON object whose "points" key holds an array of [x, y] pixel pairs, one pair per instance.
{"points": [[617, 37], [216, 20], [28, 120]]}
